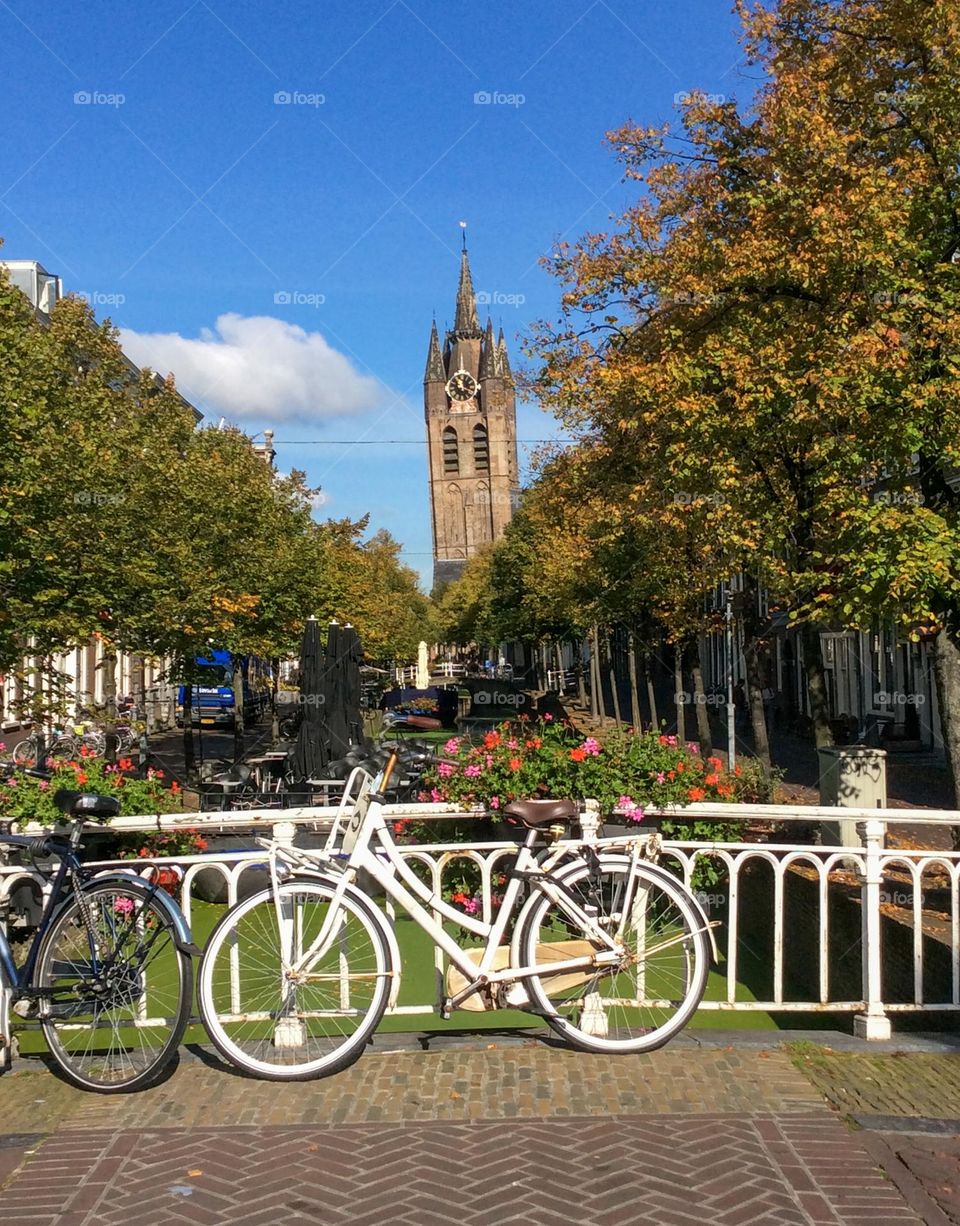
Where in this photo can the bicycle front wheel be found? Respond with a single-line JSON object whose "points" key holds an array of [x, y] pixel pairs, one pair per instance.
{"points": [[117, 990], [655, 986], [284, 1026]]}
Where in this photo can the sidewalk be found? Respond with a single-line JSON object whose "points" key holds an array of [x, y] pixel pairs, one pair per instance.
{"points": [[487, 1134]]}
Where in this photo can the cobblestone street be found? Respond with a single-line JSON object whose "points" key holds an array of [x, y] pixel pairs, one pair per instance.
{"points": [[524, 1134]]}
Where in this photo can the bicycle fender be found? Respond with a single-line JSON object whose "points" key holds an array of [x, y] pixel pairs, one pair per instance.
{"points": [[182, 936], [374, 912], [654, 870]]}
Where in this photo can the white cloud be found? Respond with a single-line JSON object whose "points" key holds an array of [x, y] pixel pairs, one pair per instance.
{"points": [[257, 366]]}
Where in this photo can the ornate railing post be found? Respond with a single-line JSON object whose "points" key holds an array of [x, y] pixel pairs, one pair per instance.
{"points": [[874, 1023]]}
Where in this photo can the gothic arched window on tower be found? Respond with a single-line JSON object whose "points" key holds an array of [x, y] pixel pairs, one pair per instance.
{"points": [[481, 450], [451, 453]]}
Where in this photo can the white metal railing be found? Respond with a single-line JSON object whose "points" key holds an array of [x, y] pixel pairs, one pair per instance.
{"points": [[899, 884]]}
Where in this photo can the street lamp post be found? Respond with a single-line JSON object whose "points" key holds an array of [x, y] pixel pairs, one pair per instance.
{"points": [[731, 709]]}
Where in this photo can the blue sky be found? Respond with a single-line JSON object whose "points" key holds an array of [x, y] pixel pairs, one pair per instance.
{"points": [[265, 196]]}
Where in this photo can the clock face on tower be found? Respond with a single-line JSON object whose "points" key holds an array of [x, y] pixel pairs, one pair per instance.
{"points": [[461, 386]]}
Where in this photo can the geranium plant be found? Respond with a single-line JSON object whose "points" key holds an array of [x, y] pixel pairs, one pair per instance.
{"points": [[24, 798], [626, 772]]}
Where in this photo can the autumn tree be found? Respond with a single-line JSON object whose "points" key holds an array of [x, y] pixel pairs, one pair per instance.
{"points": [[773, 324]]}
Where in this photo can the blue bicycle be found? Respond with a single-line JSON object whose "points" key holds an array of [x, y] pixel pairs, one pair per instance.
{"points": [[108, 975]]}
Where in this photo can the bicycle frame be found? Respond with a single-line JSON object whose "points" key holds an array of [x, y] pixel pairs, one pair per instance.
{"points": [[368, 826]]}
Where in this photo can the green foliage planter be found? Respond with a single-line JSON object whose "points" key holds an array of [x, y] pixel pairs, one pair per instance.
{"points": [[25, 799]]}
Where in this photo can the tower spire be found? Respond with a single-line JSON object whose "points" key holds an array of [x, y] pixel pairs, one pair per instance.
{"points": [[466, 324], [488, 355], [503, 360], [434, 371]]}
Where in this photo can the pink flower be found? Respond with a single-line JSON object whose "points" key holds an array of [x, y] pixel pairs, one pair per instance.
{"points": [[693, 747], [548, 718], [512, 743], [489, 760], [472, 771], [445, 770], [630, 808], [453, 745], [43, 785], [591, 746], [661, 777], [436, 796], [471, 906], [494, 802]]}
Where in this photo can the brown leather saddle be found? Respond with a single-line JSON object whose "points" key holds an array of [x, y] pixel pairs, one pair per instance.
{"points": [[536, 813]]}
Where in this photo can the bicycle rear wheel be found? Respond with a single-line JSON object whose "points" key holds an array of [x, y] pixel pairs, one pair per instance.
{"points": [[273, 1026], [25, 752], [651, 993], [119, 1004]]}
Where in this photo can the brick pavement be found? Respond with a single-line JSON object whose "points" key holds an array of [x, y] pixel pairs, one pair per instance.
{"points": [[533, 1135]]}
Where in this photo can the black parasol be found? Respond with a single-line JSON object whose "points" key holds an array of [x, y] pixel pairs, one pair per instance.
{"points": [[312, 750]]}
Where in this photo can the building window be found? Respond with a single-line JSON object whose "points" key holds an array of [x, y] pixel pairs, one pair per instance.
{"points": [[481, 450], [451, 453]]}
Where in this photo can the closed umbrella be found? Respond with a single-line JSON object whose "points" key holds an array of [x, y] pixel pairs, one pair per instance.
{"points": [[342, 677], [312, 750], [352, 659], [423, 668]]}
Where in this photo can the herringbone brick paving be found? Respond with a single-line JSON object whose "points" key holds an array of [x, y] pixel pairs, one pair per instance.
{"points": [[671, 1139]]}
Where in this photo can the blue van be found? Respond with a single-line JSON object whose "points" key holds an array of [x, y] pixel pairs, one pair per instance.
{"points": [[213, 699]]}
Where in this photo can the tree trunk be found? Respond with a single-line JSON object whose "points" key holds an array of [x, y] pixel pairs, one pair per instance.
{"points": [[239, 668], [704, 734], [608, 639], [651, 692], [274, 686], [109, 665], [635, 716], [816, 685], [755, 685], [946, 665], [596, 688], [581, 680], [189, 752], [679, 695]]}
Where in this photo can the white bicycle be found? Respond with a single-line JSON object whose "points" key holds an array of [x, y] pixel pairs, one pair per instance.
{"points": [[609, 949]]}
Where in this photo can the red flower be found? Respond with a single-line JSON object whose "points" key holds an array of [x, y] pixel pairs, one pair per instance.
{"points": [[399, 827], [680, 766], [515, 764], [712, 779], [491, 740], [577, 755], [717, 762], [174, 787], [201, 844], [81, 777], [125, 764], [534, 743], [696, 793]]}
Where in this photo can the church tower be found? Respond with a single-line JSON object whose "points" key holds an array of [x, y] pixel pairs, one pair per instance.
{"points": [[470, 406]]}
